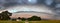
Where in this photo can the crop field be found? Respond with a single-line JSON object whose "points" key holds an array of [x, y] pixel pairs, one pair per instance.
{"points": [[43, 21]]}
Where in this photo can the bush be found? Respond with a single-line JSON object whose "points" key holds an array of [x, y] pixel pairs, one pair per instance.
{"points": [[23, 19], [34, 18]]}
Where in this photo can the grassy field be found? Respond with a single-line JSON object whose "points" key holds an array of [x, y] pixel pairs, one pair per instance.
{"points": [[46, 21], [12, 22]]}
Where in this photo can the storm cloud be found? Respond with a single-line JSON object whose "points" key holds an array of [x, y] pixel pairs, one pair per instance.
{"points": [[30, 5]]}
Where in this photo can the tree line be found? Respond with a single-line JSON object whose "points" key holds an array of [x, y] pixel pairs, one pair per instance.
{"points": [[5, 15], [33, 18]]}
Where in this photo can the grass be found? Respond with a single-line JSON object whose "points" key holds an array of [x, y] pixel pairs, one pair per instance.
{"points": [[12, 22], [48, 21], [42, 21]]}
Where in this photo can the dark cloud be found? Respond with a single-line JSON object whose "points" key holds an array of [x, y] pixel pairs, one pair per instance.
{"points": [[15, 2], [6, 4]]}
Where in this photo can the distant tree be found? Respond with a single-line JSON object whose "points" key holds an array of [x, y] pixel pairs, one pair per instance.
{"points": [[5, 15], [23, 19], [34, 18], [0, 16], [18, 18]]}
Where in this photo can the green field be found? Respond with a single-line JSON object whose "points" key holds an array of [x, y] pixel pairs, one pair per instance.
{"points": [[49, 21], [46, 21], [12, 22]]}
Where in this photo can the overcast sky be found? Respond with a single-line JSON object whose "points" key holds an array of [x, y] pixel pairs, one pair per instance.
{"points": [[26, 5]]}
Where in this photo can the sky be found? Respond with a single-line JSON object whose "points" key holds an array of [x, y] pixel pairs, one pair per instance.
{"points": [[35, 8], [9, 3], [47, 2], [27, 5]]}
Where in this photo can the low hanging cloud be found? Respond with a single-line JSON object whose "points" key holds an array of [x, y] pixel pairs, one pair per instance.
{"points": [[36, 8]]}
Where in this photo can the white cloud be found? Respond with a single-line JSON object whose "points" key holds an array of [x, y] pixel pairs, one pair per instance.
{"points": [[29, 8]]}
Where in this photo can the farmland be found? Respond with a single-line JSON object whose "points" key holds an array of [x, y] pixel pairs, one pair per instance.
{"points": [[42, 21]]}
